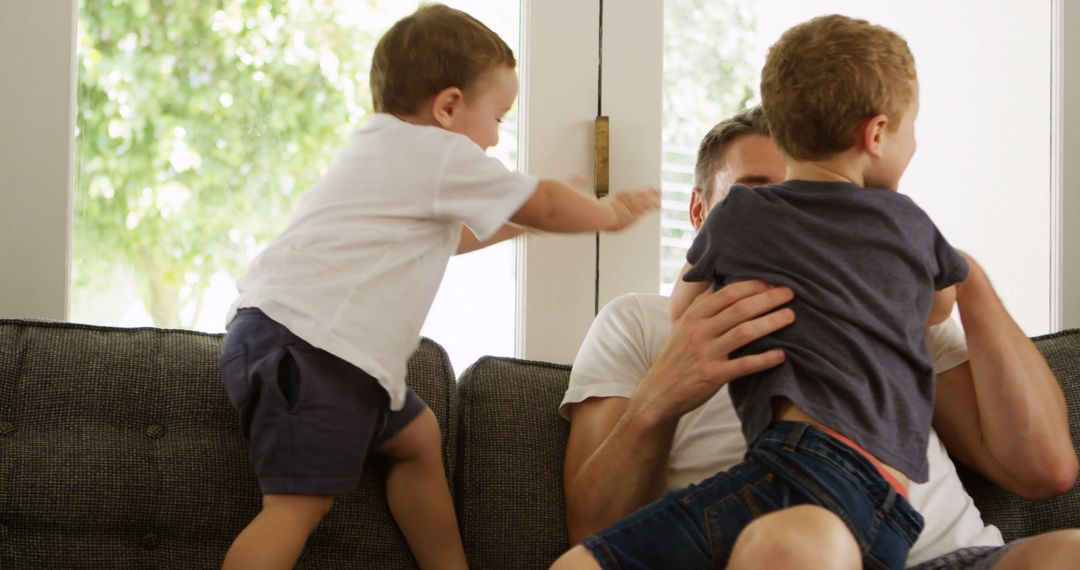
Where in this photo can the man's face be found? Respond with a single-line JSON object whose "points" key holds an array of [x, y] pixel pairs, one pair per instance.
{"points": [[750, 160]]}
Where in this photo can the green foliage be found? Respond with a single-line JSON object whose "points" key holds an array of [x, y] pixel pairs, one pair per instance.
{"points": [[707, 71], [199, 123], [708, 46]]}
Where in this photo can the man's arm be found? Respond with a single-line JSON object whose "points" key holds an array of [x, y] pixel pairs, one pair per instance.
{"points": [[942, 306], [616, 458], [685, 292], [1002, 412], [613, 465]]}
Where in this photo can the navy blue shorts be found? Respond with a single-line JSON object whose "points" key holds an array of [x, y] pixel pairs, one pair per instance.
{"points": [[310, 418], [789, 464]]}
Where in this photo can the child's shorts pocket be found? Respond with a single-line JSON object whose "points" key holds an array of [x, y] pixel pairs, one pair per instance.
{"points": [[235, 377]]}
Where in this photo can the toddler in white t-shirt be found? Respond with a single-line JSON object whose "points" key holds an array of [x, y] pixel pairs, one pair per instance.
{"points": [[329, 313]]}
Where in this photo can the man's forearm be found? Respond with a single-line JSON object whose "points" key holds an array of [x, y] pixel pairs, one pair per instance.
{"points": [[1022, 411], [627, 471]]}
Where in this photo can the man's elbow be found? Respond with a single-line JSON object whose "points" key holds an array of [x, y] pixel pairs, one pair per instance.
{"points": [[1054, 478], [1062, 477]]}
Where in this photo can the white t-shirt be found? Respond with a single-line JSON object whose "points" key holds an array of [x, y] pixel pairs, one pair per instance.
{"points": [[628, 335], [357, 268]]}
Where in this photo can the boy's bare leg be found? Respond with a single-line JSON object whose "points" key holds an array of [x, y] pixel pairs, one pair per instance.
{"points": [[1058, 550], [275, 538], [419, 496], [804, 536], [577, 558]]}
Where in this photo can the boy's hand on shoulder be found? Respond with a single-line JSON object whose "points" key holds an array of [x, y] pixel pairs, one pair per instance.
{"points": [[629, 205]]}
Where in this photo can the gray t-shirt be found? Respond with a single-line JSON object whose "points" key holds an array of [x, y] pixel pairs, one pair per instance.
{"points": [[863, 263]]}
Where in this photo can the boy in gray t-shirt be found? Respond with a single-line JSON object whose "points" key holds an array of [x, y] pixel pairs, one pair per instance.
{"points": [[841, 427], [869, 269]]}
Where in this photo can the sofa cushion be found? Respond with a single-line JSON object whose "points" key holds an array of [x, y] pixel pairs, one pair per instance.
{"points": [[509, 491], [119, 449], [1017, 517]]}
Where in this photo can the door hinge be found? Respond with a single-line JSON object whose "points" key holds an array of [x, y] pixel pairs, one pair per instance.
{"points": [[600, 159]]}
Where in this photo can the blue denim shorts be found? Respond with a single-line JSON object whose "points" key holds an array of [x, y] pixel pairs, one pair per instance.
{"points": [[789, 464], [310, 418]]}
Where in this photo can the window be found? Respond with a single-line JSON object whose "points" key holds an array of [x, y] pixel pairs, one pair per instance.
{"points": [[983, 167], [198, 126], [708, 75]]}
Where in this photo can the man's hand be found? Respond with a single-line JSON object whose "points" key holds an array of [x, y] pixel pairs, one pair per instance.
{"points": [[617, 455], [695, 363]]}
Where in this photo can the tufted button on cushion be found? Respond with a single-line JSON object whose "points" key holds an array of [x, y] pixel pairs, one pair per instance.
{"points": [[150, 540], [6, 428], [155, 431]]}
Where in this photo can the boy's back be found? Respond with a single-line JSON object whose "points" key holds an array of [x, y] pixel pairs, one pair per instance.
{"points": [[859, 261], [357, 269]]}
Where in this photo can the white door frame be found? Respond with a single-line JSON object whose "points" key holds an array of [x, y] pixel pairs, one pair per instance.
{"points": [[559, 94], [37, 150]]}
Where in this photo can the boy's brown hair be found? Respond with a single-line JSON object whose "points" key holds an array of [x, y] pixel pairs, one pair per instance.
{"points": [[433, 48], [823, 77]]}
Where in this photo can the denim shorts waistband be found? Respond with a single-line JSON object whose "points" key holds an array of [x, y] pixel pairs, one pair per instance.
{"points": [[803, 437]]}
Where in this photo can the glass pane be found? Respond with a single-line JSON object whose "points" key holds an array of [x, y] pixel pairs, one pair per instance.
{"points": [[968, 166], [198, 126], [708, 75]]}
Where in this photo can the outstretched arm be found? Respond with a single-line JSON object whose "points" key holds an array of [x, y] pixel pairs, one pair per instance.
{"points": [[617, 455], [1003, 413], [557, 207], [469, 241]]}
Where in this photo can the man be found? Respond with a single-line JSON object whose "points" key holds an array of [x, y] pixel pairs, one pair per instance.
{"points": [[649, 413]]}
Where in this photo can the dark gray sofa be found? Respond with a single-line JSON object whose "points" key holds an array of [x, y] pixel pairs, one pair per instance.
{"points": [[119, 449]]}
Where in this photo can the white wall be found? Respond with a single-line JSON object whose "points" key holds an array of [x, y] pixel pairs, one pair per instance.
{"points": [[1071, 191], [37, 55], [982, 169]]}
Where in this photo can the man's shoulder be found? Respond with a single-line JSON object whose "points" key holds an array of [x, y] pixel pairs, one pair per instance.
{"points": [[636, 302]]}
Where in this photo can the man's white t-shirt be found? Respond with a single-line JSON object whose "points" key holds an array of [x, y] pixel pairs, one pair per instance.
{"points": [[357, 268], [628, 335]]}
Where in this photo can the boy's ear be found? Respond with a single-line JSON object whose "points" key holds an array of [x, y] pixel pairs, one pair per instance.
{"points": [[873, 134], [445, 105]]}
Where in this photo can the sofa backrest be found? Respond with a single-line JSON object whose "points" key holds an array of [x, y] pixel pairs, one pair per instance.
{"points": [[509, 492], [119, 449]]}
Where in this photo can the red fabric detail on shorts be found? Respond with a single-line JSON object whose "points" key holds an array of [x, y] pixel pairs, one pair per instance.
{"points": [[884, 473]]}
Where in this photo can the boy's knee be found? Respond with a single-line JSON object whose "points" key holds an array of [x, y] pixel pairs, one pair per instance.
{"points": [[577, 558], [420, 439], [799, 537], [311, 507], [1054, 550]]}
